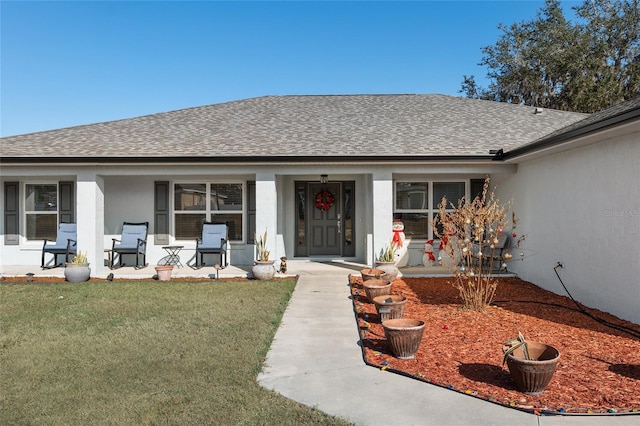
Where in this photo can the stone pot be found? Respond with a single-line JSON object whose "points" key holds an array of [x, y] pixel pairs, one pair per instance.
{"points": [[77, 272], [390, 268], [532, 376], [375, 288], [263, 269], [373, 274], [164, 272], [390, 306], [403, 336]]}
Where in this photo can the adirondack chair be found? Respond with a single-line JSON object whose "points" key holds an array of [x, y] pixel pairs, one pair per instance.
{"points": [[65, 243], [132, 241], [213, 241]]}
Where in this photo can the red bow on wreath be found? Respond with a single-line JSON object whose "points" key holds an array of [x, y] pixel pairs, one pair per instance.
{"points": [[324, 200]]}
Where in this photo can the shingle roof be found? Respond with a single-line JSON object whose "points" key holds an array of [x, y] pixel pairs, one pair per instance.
{"points": [[612, 116], [301, 126]]}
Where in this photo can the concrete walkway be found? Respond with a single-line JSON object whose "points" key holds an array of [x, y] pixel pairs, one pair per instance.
{"points": [[316, 359]]}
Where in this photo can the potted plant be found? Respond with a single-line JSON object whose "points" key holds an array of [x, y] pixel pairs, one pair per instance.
{"points": [[78, 269], [387, 261], [263, 268], [531, 364], [163, 272]]}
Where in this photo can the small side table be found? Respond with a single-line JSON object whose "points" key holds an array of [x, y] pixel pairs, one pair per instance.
{"points": [[174, 257]]}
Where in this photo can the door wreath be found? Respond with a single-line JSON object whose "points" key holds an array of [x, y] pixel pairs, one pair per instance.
{"points": [[324, 200]]}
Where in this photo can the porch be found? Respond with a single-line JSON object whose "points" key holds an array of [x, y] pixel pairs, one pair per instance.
{"points": [[294, 268]]}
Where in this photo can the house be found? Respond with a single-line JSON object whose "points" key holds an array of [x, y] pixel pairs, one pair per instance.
{"points": [[327, 175]]}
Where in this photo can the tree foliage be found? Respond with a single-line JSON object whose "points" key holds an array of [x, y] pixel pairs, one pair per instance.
{"points": [[551, 62]]}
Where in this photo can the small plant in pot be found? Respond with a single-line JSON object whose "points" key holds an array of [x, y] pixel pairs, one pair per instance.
{"points": [[531, 364], [387, 261], [78, 269], [263, 268]]}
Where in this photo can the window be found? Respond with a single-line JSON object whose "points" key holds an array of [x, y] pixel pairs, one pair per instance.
{"points": [[41, 211], [416, 208], [195, 203]]}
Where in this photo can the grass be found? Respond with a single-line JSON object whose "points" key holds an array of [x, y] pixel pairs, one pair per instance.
{"points": [[175, 353]]}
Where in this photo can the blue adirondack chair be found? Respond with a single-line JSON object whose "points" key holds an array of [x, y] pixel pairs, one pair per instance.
{"points": [[132, 241], [65, 243], [213, 241]]}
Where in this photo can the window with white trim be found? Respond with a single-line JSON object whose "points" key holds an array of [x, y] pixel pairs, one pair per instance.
{"points": [[195, 203], [416, 204], [41, 211]]}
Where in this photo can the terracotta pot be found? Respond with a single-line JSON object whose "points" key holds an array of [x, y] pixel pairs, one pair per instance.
{"points": [[373, 274], [532, 376], [374, 288], [77, 272], [164, 272], [390, 268], [390, 306], [403, 336], [263, 269]]}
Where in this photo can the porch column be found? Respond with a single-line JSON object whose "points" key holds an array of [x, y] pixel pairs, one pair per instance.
{"points": [[90, 219], [267, 210], [382, 198]]}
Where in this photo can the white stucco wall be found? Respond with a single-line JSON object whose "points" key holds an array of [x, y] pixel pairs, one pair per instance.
{"points": [[581, 207], [382, 197], [90, 224]]}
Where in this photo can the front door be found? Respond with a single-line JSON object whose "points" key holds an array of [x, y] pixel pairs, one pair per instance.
{"points": [[324, 227]]}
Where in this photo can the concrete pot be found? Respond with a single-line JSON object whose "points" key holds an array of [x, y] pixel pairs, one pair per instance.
{"points": [[77, 272], [533, 375], [390, 268], [263, 269], [375, 288], [390, 306], [373, 274], [403, 336]]}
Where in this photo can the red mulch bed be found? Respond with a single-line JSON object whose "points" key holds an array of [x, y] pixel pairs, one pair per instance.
{"points": [[598, 370]]}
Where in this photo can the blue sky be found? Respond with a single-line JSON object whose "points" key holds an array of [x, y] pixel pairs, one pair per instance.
{"points": [[81, 62]]}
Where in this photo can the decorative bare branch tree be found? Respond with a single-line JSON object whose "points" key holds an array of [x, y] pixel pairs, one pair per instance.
{"points": [[469, 233]]}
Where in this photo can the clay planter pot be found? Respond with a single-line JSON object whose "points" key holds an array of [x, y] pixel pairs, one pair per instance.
{"points": [[373, 274], [164, 272], [390, 268], [390, 306], [532, 376], [263, 269], [375, 288], [403, 336], [77, 272]]}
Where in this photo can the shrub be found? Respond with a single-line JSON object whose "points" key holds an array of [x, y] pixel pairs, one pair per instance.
{"points": [[469, 234]]}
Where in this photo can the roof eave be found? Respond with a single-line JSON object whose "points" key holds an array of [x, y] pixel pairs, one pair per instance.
{"points": [[574, 134], [272, 160]]}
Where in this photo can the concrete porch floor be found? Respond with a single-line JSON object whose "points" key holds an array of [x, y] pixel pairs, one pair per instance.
{"points": [[294, 267]]}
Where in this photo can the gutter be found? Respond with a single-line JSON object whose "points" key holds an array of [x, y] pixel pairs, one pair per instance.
{"points": [[572, 133], [270, 160]]}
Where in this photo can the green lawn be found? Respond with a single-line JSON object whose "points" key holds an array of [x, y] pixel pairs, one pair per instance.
{"points": [[142, 353]]}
